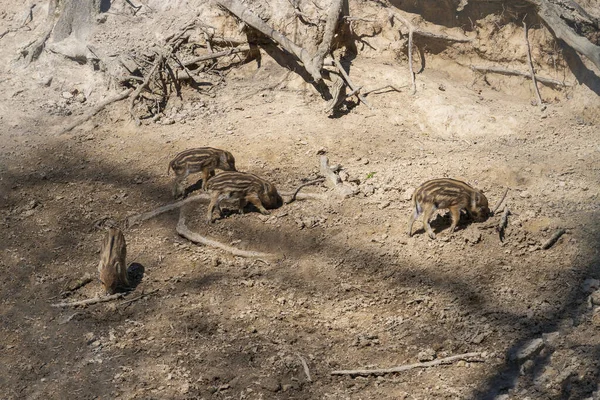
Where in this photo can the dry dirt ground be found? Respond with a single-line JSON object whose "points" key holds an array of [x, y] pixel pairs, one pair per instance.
{"points": [[351, 289]]}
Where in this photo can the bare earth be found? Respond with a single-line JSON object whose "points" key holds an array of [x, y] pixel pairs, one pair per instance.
{"points": [[350, 289]]}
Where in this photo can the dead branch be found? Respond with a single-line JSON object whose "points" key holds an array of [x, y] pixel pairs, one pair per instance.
{"points": [[391, 87], [183, 231], [219, 54], [243, 13], [441, 361], [503, 223], [504, 71], [553, 239], [293, 197], [143, 86], [96, 110], [136, 219], [499, 202], [333, 16], [333, 178], [87, 278], [353, 87], [87, 302], [551, 16], [138, 297], [531, 70]]}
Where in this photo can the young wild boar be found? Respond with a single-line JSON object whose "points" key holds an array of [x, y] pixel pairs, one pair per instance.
{"points": [[203, 159], [447, 193], [241, 188], [112, 267]]}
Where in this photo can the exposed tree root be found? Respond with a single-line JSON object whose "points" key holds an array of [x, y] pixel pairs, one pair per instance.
{"points": [[441, 361], [183, 231]]}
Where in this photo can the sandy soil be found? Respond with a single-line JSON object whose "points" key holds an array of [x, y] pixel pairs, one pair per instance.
{"points": [[350, 289]]}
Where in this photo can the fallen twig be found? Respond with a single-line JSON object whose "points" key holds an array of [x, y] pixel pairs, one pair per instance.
{"points": [[87, 302], [553, 239], [129, 301], [96, 110], [183, 231], [500, 202], [349, 82], [503, 223], [531, 70], [87, 278], [441, 361], [136, 219], [391, 87], [293, 197], [504, 71], [305, 366]]}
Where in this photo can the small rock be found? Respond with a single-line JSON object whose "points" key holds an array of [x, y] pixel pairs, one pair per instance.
{"points": [[426, 355], [368, 190], [525, 194], [472, 236], [528, 350], [67, 95], [407, 195]]}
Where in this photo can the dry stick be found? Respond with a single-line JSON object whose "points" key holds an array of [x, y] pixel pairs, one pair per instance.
{"points": [[138, 297], [183, 231], [504, 71], [305, 366], [293, 198], [87, 278], [136, 219], [550, 242], [500, 202], [531, 71], [397, 89], [243, 13], [350, 84], [216, 55], [97, 109], [441, 361], [143, 86], [89, 301]]}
